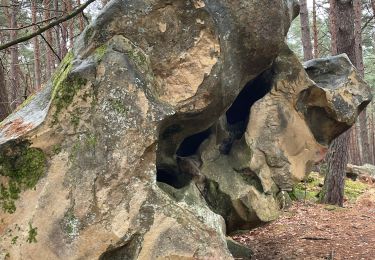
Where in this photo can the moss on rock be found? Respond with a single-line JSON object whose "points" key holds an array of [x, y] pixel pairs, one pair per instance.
{"points": [[22, 166]]}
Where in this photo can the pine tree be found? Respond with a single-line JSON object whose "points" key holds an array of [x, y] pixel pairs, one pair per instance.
{"points": [[305, 31], [343, 38]]}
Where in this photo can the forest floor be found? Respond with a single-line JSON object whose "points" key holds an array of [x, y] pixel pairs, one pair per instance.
{"points": [[308, 230]]}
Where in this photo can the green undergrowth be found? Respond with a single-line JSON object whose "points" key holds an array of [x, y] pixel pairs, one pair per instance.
{"points": [[310, 189], [22, 166]]}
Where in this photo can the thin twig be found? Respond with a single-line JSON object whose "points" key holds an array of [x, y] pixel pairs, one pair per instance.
{"points": [[45, 28]]}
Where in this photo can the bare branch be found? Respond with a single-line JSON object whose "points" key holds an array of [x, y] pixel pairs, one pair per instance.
{"points": [[45, 28]]}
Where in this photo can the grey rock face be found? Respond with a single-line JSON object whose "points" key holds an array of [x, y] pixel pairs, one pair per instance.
{"points": [[171, 124]]}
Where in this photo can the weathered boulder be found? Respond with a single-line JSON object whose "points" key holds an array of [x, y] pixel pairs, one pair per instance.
{"points": [[360, 172], [142, 147], [282, 137]]}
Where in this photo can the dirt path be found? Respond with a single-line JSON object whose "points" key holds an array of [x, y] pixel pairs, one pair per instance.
{"points": [[314, 231]]}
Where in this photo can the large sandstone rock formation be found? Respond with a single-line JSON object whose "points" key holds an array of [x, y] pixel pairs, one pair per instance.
{"points": [[170, 125]]}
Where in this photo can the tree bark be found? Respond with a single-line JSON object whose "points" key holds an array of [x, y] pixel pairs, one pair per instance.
{"points": [[71, 24], [57, 32], [358, 36], [305, 31], [360, 67], [333, 190], [64, 36], [37, 71], [14, 54], [333, 25], [80, 19], [49, 53], [315, 32], [4, 103]]}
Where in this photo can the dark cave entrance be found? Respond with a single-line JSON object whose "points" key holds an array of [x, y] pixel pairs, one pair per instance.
{"points": [[239, 113], [191, 144], [237, 117]]}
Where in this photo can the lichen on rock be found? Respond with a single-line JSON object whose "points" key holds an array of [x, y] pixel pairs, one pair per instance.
{"points": [[167, 127]]}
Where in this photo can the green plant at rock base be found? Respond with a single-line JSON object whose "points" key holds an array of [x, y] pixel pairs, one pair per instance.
{"points": [[33, 232], [354, 189], [23, 166], [311, 190]]}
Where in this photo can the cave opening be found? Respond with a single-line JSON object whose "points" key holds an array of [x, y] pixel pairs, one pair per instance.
{"points": [[254, 90], [237, 116], [191, 144], [179, 175], [172, 177], [186, 161]]}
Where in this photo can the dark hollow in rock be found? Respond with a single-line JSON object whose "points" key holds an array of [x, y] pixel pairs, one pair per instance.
{"points": [[172, 177], [251, 93], [238, 114], [191, 144]]}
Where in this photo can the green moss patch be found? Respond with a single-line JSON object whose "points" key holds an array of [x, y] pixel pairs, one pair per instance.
{"points": [[354, 189], [311, 189], [100, 52], [23, 166], [65, 94]]}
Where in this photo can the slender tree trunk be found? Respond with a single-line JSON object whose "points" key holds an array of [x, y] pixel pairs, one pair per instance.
{"points": [[333, 190], [64, 35], [4, 103], [80, 19], [71, 24], [315, 32], [358, 36], [359, 65], [57, 32], [37, 71], [14, 54], [333, 25], [305, 30], [49, 53]]}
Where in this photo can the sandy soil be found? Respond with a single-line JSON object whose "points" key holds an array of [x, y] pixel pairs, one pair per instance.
{"points": [[315, 231]]}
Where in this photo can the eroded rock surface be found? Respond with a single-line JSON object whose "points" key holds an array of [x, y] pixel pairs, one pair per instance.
{"points": [[170, 124]]}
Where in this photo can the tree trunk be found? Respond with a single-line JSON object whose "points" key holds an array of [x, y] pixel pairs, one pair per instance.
{"points": [[315, 32], [49, 53], [358, 36], [37, 71], [71, 24], [80, 19], [333, 25], [305, 31], [334, 182], [57, 32], [64, 36], [14, 54], [4, 103], [343, 25], [359, 65]]}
